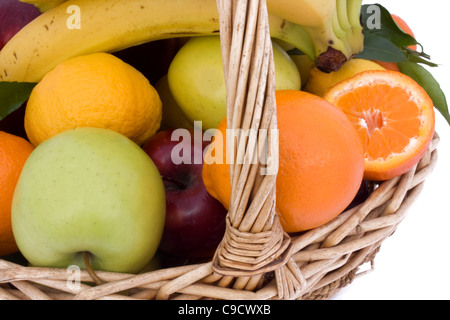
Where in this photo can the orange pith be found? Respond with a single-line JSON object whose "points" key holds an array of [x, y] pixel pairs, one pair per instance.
{"points": [[394, 117]]}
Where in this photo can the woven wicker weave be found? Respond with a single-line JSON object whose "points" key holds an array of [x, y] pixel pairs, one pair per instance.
{"points": [[256, 260]]}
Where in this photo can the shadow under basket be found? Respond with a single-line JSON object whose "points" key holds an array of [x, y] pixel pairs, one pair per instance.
{"points": [[256, 259]]}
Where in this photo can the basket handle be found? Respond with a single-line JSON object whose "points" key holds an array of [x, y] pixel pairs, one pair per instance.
{"points": [[254, 241]]}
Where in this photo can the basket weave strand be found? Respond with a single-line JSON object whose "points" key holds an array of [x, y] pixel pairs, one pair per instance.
{"points": [[256, 259], [255, 242]]}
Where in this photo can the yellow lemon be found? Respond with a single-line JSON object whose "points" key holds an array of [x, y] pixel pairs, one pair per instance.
{"points": [[319, 82], [97, 90]]}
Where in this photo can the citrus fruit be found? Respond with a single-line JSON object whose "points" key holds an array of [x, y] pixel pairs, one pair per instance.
{"points": [[319, 82], [393, 115], [14, 152], [405, 27], [320, 162], [96, 90]]}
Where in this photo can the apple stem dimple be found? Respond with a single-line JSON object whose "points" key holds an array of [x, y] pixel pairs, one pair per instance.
{"points": [[90, 270], [173, 182]]}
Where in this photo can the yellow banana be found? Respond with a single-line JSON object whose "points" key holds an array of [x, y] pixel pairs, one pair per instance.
{"points": [[342, 14], [347, 25], [329, 26], [356, 36], [113, 25], [44, 5], [303, 12], [309, 13], [330, 40]]}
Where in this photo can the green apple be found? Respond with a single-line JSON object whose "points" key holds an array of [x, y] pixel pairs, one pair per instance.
{"points": [[197, 82], [172, 116], [89, 190], [304, 65]]}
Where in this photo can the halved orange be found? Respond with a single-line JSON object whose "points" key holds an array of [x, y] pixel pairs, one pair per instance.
{"points": [[394, 117]]}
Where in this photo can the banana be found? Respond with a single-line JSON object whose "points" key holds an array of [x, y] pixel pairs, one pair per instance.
{"points": [[312, 26], [356, 37], [341, 32], [291, 33], [309, 13], [331, 43], [341, 10], [113, 25], [44, 5], [329, 26]]}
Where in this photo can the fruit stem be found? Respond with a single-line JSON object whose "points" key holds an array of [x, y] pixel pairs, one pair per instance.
{"points": [[90, 270]]}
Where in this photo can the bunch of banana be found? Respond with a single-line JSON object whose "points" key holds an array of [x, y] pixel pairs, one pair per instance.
{"points": [[113, 25], [333, 25]]}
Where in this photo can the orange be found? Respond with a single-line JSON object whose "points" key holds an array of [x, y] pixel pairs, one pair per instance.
{"points": [[96, 90], [320, 162], [393, 115], [405, 27], [14, 151]]}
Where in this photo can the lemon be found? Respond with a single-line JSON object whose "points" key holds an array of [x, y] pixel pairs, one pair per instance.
{"points": [[319, 82], [97, 90]]}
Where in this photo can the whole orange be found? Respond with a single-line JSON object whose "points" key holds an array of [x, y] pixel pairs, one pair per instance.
{"points": [[14, 151], [321, 162], [405, 27]]}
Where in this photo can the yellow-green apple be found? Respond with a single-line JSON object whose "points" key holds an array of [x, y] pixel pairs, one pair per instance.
{"points": [[195, 221], [196, 79], [172, 116], [89, 190], [14, 15]]}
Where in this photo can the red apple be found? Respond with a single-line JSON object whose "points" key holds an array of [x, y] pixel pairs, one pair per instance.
{"points": [[14, 15], [195, 221]]}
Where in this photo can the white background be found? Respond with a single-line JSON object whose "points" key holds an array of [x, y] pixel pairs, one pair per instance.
{"points": [[414, 262]]}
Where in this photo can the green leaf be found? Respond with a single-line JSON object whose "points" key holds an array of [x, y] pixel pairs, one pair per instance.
{"points": [[379, 48], [385, 26], [384, 39], [13, 95], [424, 78]]}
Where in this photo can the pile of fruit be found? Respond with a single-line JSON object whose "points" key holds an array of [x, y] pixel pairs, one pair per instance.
{"points": [[113, 140]]}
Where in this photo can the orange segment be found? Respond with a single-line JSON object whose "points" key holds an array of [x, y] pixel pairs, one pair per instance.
{"points": [[393, 116]]}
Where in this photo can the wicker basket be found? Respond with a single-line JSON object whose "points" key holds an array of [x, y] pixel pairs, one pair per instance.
{"points": [[256, 259]]}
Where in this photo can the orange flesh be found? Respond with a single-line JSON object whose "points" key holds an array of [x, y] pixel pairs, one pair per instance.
{"points": [[387, 122]]}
